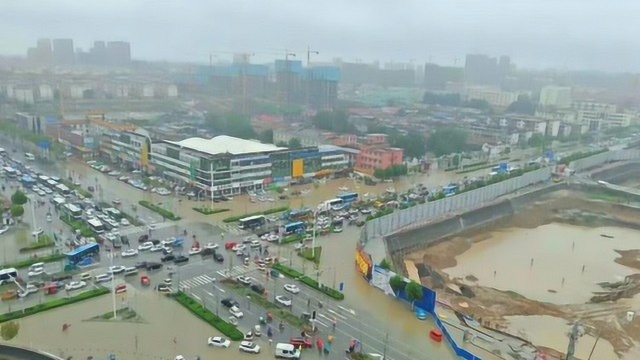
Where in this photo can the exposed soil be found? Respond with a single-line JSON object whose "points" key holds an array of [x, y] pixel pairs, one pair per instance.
{"points": [[489, 306]]}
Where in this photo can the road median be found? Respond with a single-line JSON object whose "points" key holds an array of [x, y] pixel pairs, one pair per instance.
{"points": [[295, 274], [207, 316]]}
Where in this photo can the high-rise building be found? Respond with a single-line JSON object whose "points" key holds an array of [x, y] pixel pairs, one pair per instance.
{"points": [[99, 53], [118, 53], [558, 97], [288, 74], [481, 70], [437, 77], [321, 86], [63, 53], [41, 54]]}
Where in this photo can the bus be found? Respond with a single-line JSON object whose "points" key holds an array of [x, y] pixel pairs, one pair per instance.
{"points": [[27, 181], [63, 189], [333, 204], [251, 222], [11, 172], [450, 190], [298, 215], [348, 197], [29, 156], [96, 225], [73, 211], [84, 251], [8, 275], [293, 228], [58, 202], [51, 184]]}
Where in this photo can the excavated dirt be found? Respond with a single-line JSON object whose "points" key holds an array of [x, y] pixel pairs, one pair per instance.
{"points": [[490, 306]]}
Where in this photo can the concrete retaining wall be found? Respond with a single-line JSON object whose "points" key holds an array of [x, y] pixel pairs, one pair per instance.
{"points": [[618, 174], [14, 352]]}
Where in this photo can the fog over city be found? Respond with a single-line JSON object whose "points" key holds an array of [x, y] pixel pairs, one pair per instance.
{"points": [[575, 34]]}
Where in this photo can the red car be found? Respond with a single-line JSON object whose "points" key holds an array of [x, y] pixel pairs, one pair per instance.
{"points": [[301, 342], [230, 245]]}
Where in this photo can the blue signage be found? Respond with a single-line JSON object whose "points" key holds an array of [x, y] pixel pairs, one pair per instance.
{"points": [[341, 287]]}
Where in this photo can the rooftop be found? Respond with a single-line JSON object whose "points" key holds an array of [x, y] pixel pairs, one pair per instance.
{"points": [[225, 144]]}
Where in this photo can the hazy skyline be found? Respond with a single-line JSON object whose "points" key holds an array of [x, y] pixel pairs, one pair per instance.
{"points": [[574, 34]]}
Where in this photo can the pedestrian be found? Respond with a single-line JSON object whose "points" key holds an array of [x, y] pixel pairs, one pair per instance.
{"points": [[270, 342], [583, 268]]}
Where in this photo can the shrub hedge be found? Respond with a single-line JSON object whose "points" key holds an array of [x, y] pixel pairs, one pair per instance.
{"points": [[13, 315], [268, 212], [28, 262], [294, 274], [44, 241], [73, 186], [212, 319], [208, 211], [77, 225], [155, 208]]}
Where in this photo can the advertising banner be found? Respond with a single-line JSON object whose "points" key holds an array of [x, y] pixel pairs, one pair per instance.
{"points": [[363, 263], [380, 279]]}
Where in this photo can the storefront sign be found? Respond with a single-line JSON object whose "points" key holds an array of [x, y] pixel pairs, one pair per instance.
{"points": [[363, 263]]}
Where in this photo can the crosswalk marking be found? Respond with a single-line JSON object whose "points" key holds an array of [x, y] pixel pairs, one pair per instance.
{"points": [[231, 229], [196, 282], [144, 228], [238, 270]]}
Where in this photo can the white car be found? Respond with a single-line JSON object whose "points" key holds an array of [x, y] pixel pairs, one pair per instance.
{"points": [[37, 232], [145, 246], [246, 280], [116, 202], [250, 347], [236, 312], [111, 237], [163, 192], [41, 193], [156, 248], [29, 289], [4, 229], [116, 269], [194, 251], [239, 247], [292, 288], [114, 173], [169, 241], [273, 238], [179, 357], [211, 246], [151, 225], [37, 271], [124, 222], [75, 285], [129, 253], [255, 243], [48, 191], [218, 341], [283, 300]]}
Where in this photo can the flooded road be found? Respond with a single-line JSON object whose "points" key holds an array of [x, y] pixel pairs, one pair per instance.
{"points": [[546, 263]]}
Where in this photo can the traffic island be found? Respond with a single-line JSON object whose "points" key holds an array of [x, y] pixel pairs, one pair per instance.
{"points": [[312, 254], [125, 314], [268, 212], [294, 274], [49, 305], [208, 211], [161, 211], [212, 319], [44, 241], [28, 262]]}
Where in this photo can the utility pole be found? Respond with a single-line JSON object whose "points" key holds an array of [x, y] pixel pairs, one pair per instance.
{"points": [[309, 74]]}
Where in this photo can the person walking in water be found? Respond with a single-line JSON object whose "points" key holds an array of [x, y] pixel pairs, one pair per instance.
{"points": [[531, 262]]}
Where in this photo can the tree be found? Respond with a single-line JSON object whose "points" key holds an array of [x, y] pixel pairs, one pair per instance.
{"points": [[413, 144], [397, 283], [447, 140], [282, 144], [414, 292], [267, 136], [231, 124], [19, 198], [9, 330], [17, 211], [523, 105], [385, 264], [294, 143], [536, 140], [336, 121], [430, 98]]}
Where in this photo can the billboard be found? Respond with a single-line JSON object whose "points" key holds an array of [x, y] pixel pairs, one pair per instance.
{"points": [[298, 168], [363, 263], [380, 279]]}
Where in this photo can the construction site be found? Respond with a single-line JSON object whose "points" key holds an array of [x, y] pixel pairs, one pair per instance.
{"points": [[556, 267]]}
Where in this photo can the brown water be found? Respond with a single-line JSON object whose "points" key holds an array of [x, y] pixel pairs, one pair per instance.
{"points": [[550, 257], [555, 336]]}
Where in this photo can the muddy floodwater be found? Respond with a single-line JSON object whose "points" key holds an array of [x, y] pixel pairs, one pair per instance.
{"points": [[554, 263]]}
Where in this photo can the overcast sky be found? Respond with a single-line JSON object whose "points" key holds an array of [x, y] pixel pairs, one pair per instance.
{"points": [[578, 34]]}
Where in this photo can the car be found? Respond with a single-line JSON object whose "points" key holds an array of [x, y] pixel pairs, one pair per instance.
{"points": [[421, 314], [168, 242], [229, 302], [211, 246], [337, 229], [116, 202], [249, 347], [145, 246], [163, 288], [117, 269], [153, 266], [124, 222], [41, 193], [129, 253], [111, 237], [262, 267], [4, 229], [167, 281], [120, 288], [235, 311], [218, 257], [301, 342], [167, 250], [218, 341], [179, 357], [168, 257], [37, 232], [258, 288], [103, 278], [75, 285], [292, 288], [48, 191], [283, 300], [248, 336], [239, 247], [230, 245], [195, 251], [244, 280], [255, 244], [180, 259], [37, 271]]}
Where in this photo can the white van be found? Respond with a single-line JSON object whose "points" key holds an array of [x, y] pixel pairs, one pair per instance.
{"points": [[29, 156], [286, 351], [103, 278], [36, 266], [130, 271]]}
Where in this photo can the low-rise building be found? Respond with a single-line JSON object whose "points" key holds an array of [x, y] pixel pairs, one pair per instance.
{"points": [[372, 157]]}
